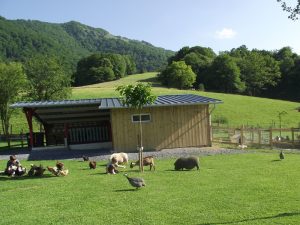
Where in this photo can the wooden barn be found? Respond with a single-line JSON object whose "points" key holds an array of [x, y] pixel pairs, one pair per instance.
{"points": [[173, 121]]}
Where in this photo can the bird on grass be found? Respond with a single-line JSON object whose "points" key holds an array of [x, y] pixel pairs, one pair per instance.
{"points": [[85, 158], [93, 164], [135, 181], [281, 155]]}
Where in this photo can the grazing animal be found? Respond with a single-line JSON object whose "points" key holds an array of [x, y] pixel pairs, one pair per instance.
{"points": [[37, 171], [59, 165], [186, 163], [135, 181], [58, 170], [93, 164], [53, 170], [31, 171], [281, 155], [120, 158], [85, 158], [111, 169], [11, 170], [147, 161], [63, 172]]}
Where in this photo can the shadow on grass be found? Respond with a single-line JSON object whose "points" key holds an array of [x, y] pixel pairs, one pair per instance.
{"points": [[124, 190], [86, 168], [276, 160], [7, 178], [102, 173], [258, 218], [182, 171]]}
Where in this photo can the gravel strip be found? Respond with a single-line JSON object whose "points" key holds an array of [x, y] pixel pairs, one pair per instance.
{"points": [[58, 154]]}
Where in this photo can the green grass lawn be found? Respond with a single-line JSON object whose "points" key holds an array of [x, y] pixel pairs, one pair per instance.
{"points": [[252, 188]]}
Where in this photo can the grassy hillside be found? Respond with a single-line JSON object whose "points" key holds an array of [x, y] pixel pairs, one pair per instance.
{"points": [[237, 109]]}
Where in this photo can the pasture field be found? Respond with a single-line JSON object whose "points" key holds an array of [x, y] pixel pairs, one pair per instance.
{"points": [[237, 110], [250, 188]]}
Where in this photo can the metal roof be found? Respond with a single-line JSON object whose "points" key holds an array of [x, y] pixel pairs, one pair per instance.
{"points": [[48, 104], [164, 100], [110, 103]]}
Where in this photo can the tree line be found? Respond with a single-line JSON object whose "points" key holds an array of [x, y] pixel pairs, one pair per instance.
{"points": [[98, 68], [274, 74], [40, 78]]}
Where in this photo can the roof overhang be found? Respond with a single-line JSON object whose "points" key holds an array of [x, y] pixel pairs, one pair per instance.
{"points": [[69, 111], [164, 100]]}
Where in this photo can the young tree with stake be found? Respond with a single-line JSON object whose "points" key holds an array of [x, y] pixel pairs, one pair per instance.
{"points": [[136, 97]]}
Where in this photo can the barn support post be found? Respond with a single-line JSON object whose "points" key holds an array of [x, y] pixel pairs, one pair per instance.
{"points": [[209, 126], [271, 138], [66, 131], [209, 131], [29, 114], [22, 134]]}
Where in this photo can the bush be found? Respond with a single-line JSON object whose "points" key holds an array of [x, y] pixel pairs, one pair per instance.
{"points": [[220, 120]]}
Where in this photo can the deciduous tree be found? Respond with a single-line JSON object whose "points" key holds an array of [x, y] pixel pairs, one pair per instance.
{"points": [[47, 79], [12, 86], [224, 75], [258, 72], [178, 75], [293, 10]]}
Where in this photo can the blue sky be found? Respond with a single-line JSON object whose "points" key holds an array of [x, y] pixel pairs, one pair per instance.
{"points": [[172, 24]]}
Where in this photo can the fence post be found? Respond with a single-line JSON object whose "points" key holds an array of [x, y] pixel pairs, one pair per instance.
{"points": [[242, 135], [293, 137], [259, 137], [271, 138]]}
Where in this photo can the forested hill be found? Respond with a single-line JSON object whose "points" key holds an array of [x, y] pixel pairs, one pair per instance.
{"points": [[21, 39]]}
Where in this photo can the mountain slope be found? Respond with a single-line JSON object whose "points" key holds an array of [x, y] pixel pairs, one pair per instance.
{"points": [[21, 39]]}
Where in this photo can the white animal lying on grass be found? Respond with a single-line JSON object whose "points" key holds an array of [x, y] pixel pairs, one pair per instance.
{"points": [[119, 158]]}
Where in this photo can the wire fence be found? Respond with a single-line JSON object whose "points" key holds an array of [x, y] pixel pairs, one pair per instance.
{"points": [[259, 137]]}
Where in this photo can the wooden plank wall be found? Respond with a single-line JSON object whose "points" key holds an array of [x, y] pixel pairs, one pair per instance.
{"points": [[170, 127]]}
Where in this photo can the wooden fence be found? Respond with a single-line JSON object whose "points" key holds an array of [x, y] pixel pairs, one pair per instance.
{"points": [[16, 140], [272, 137]]}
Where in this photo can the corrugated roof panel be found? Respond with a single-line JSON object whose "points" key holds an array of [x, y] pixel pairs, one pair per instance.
{"points": [[109, 103]]}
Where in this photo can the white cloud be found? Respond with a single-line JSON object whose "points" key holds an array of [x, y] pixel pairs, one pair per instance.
{"points": [[225, 33]]}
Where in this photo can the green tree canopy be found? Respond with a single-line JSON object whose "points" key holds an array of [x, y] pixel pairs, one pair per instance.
{"points": [[178, 75], [103, 67], [224, 75], [12, 85], [258, 72], [136, 96], [293, 10], [47, 79]]}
